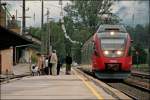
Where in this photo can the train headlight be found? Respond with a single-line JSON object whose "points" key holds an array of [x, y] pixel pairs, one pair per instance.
{"points": [[119, 52], [106, 52], [112, 33]]}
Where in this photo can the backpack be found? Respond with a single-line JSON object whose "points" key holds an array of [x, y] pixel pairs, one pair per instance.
{"points": [[33, 67]]}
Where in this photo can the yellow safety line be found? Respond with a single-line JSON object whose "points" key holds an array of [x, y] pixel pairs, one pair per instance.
{"points": [[90, 87]]}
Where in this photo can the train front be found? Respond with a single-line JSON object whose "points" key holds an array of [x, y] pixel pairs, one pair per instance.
{"points": [[114, 60]]}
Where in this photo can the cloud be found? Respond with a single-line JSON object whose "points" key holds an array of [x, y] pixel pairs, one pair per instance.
{"points": [[126, 9]]}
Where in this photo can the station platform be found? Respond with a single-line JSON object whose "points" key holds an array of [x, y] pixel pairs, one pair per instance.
{"points": [[74, 86]]}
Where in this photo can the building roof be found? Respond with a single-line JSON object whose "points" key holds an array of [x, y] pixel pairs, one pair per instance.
{"points": [[108, 27], [34, 39], [9, 38]]}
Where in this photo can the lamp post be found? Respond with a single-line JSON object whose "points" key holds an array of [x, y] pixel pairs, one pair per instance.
{"points": [[49, 46], [23, 18], [42, 14]]}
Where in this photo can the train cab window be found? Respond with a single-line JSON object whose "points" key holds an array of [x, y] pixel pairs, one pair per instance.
{"points": [[113, 44], [118, 28]]}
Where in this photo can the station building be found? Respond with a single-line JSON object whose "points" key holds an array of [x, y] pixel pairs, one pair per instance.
{"points": [[15, 47]]}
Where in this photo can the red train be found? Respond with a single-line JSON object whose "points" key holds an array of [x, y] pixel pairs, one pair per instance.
{"points": [[108, 52]]}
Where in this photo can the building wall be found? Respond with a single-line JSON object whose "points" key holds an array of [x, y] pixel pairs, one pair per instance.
{"points": [[2, 17], [16, 29], [13, 26], [6, 61], [27, 54]]}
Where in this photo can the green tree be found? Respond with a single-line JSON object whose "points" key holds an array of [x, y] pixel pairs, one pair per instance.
{"points": [[87, 12], [82, 20], [139, 55], [140, 35], [57, 38], [35, 31]]}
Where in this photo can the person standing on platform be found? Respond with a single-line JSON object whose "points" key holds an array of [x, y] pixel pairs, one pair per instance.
{"points": [[59, 64], [68, 64], [46, 65], [39, 63], [54, 61], [34, 70], [43, 64], [49, 64]]}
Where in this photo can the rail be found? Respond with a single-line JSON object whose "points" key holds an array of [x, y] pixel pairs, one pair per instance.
{"points": [[140, 74]]}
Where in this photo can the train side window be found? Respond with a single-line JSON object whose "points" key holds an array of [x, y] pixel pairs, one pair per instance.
{"points": [[94, 46], [91, 47], [130, 51], [95, 51]]}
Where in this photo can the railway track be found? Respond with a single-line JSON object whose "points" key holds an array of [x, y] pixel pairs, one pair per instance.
{"points": [[140, 74], [7, 79], [139, 79], [132, 90], [135, 89], [145, 86]]}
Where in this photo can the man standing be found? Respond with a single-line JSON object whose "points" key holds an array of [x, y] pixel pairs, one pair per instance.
{"points": [[53, 61], [59, 64], [68, 64], [49, 64], [39, 63], [46, 65]]}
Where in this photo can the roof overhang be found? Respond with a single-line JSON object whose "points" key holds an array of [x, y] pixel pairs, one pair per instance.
{"points": [[9, 38]]}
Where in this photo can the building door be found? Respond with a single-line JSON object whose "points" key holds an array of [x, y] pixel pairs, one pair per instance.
{"points": [[0, 63], [14, 55]]}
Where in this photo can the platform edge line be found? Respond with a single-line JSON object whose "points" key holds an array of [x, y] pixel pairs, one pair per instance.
{"points": [[90, 87]]}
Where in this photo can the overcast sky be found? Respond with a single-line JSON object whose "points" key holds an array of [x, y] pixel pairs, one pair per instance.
{"points": [[35, 7], [124, 9]]}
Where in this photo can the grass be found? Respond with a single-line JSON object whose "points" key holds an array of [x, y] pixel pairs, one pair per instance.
{"points": [[141, 67]]}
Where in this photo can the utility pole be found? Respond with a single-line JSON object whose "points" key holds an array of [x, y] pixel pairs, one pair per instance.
{"points": [[42, 14], [23, 18], [133, 18], [49, 47], [48, 32], [16, 14], [34, 17], [61, 12], [48, 23], [42, 36]]}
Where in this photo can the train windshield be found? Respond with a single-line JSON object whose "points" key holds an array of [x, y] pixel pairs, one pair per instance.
{"points": [[113, 43], [107, 28]]}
